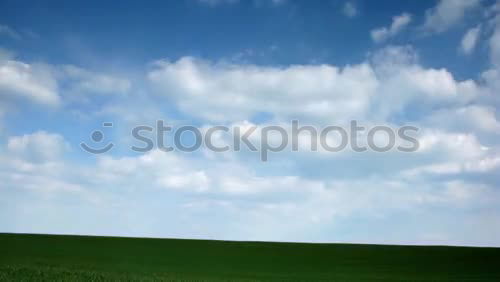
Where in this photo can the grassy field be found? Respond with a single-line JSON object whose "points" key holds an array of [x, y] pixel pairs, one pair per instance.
{"points": [[80, 258]]}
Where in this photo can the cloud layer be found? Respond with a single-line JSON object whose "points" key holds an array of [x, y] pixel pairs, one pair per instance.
{"points": [[444, 193]]}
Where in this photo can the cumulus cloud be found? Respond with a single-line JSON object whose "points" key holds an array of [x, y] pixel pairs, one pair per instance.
{"points": [[205, 89], [35, 162], [30, 81], [314, 93], [237, 194], [398, 24], [38, 147], [53, 86], [447, 13], [473, 118], [229, 196], [230, 189], [469, 40]]}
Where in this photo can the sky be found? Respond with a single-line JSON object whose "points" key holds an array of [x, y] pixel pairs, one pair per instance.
{"points": [[67, 67]]}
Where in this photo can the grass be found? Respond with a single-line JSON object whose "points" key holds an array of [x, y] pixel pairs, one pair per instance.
{"points": [[80, 258]]}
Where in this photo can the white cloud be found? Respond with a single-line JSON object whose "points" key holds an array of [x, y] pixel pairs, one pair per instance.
{"points": [[224, 195], [469, 40], [491, 78], [447, 13], [350, 10], [314, 93], [473, 118], [38, 147], [30, 81], [482, 165], [35, 162], [451, 146], [398, 24], [205, 89], [45, 84], [394, 56], [236, 197], [404, 83], [243, 194]]}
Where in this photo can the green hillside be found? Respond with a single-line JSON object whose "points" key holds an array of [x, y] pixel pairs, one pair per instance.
{"points": [[57, 258]]}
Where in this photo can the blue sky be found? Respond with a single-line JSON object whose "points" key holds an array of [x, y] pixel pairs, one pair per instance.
{"points": [[67, 67]]}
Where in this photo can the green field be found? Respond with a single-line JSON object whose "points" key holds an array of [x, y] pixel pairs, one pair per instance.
{"points": [[80, 258]]}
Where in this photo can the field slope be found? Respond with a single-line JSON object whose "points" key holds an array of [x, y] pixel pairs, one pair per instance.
{"points": [[80, 258]]}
